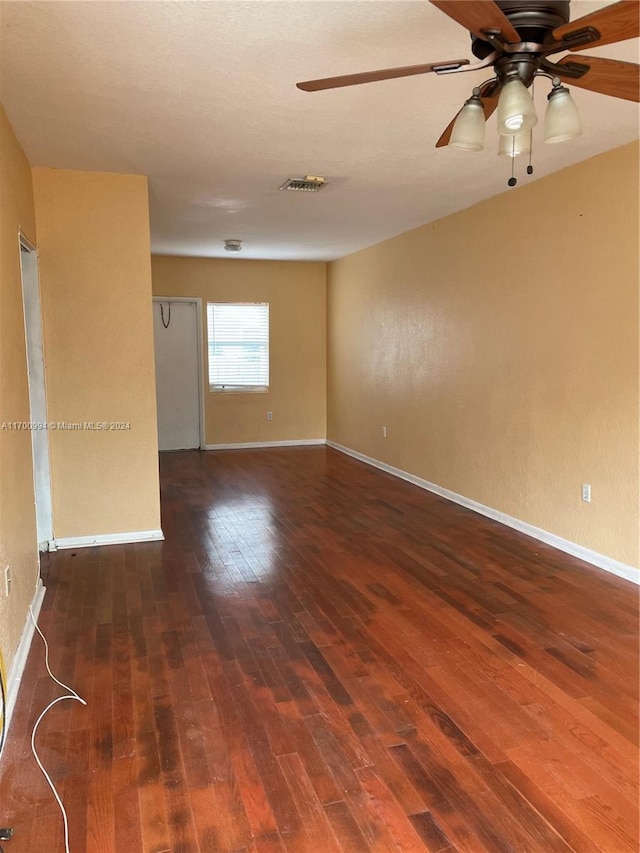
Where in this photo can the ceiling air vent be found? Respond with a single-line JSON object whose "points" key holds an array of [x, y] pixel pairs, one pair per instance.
{"points": [[308, 184]]}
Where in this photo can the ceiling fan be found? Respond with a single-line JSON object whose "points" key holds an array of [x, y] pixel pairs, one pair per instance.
{"points": [[515, 38]]}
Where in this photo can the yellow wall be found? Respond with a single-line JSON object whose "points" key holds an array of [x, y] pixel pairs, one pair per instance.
{"points": [[18, 539], [95, 273], [296, 293], [499, 346]]}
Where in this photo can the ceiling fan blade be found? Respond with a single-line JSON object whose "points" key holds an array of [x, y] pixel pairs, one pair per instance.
{"points": [[479, 15], [607, 76], [373, 76], [488, 104], [617, 22]]}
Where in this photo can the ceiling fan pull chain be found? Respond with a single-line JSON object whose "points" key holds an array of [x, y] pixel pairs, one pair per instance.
{"points": [[529, 166], [513, 180]]}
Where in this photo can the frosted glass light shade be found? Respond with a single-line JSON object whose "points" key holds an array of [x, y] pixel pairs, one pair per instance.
{"points": [[514, 145], [516, 112], [561, 119], [468, 129]]}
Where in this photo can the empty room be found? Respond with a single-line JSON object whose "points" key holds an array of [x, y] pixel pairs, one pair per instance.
{"points": [[319, 426]]}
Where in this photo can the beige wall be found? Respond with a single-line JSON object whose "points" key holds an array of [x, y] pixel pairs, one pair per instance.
{"points": [[296, 293], [18, 539], [499, 346], [95, 273]]}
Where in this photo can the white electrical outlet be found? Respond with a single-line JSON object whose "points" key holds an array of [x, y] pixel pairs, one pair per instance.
{"points": [[586, 492], [384, 432], [7, 580], [269, 416]]}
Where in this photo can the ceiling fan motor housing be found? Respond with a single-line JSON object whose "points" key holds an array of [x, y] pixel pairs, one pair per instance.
{"points": [[522, 65], [535, 21]]}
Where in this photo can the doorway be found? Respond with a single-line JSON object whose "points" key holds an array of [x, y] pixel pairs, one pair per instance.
{"points": [[37, 392], [177, 333]]}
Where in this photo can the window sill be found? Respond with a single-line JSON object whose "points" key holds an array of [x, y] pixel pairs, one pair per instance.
{"points": [[237, 390]]}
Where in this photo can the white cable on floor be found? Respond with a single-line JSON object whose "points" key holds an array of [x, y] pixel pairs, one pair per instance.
{"points": [[71, 695]]}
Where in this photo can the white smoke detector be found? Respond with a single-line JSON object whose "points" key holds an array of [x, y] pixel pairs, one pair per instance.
{"points": [[233, 245]]}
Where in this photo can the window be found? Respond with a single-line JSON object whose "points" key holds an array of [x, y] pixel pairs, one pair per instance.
{"points": [[238, 344]]}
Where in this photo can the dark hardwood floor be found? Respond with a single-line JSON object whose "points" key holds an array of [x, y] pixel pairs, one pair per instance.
{"points": [[323, 658]]}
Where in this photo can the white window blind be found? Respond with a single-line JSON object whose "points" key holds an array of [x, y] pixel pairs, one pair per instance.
{"points": [[238, 345]]}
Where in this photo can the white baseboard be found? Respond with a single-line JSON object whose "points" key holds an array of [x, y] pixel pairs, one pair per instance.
{"points": [[20, 659], [301, 442], [107, 539], [600, 560]]}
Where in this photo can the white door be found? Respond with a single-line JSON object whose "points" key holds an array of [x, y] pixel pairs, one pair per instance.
{"points": [[37, 392], [177, 335]]}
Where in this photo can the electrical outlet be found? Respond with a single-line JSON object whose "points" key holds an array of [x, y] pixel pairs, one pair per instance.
{"points": [[384, 432], [7, 580], [269, 416], [586, 492]]}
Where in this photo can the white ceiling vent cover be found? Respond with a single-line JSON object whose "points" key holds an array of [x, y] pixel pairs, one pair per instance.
{"points": [[308, 184]]}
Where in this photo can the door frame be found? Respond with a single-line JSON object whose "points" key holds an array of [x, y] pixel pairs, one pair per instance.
{"points": [[33, 328], [197, 300]]}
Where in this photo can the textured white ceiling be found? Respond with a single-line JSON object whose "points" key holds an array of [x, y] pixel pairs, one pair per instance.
{"points": [[201, 97]]}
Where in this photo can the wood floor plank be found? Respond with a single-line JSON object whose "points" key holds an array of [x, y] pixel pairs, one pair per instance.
{"points": [[317, 829], [346, 828], [320, 657], [405, 832]]}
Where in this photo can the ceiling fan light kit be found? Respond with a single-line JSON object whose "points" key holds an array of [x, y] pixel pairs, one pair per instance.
{"points": [[469, 128], [515, 144], [561, 118], [516, 112], [516, 39]]}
